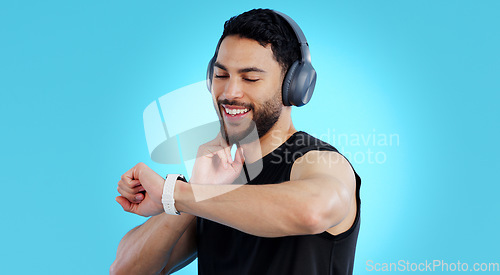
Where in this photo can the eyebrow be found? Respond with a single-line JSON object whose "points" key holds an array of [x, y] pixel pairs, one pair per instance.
{"points": [[244, 70]]}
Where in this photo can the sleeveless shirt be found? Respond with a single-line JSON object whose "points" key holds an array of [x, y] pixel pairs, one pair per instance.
{"points": [[224, 250]]}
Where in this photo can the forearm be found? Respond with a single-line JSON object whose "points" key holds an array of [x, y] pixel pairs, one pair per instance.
{"points": [[146, 249], [271, 210]]}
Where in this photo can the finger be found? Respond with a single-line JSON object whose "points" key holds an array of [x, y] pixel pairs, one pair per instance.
{"points": [[125, 204], [136, 189], [227, 150], [219, 151], [132, 190], [131, 196], [223, 157], [239, 157], [128, 206], [131, 183], [129, 175], [204, 152], [134, 172], [134, 183], [130, 187], [237, 165]]}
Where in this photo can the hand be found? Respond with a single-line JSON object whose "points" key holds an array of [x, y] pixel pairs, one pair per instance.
{"points": [[135, 181], [214, 164]]}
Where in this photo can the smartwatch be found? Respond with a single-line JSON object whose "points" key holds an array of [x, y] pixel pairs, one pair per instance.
{"points": [[167, 198]]}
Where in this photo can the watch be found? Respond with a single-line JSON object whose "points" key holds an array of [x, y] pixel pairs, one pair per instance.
{"points": [[167, 198]]}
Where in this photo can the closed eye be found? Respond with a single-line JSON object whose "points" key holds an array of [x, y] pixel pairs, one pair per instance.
{"points": [[221, 76], [251, 80]]}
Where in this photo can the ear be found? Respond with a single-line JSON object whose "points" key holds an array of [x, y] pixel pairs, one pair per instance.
{"points": [[210, 73]]}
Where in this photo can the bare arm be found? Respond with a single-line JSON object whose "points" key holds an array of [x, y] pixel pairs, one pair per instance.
{"points": [[160, 244], [184, 252], [317, 197], [163, 240]]}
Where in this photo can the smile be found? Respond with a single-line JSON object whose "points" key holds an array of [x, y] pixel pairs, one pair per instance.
{"points": [[235, 111]]}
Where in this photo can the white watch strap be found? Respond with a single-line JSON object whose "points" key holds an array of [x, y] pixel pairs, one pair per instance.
{"points": [[167, 197]]}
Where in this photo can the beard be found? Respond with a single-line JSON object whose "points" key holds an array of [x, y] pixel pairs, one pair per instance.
{"points": [[264, 118]]}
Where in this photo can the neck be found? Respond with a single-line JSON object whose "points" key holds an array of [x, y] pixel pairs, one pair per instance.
{"points": [[276, 136]]}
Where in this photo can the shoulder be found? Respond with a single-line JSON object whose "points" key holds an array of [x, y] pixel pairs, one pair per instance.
{"points": [[314, 158], [305, 140]]}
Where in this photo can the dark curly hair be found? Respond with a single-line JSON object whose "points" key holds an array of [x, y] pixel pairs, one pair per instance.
{"points": [[265, 26]]}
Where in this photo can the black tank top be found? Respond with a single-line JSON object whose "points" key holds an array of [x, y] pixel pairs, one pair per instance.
{"points": [[224, 250]]}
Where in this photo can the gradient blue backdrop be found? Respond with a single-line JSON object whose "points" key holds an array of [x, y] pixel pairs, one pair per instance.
{"points": [[75, 78]]}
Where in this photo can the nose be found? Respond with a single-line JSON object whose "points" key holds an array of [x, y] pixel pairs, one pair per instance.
{"points": [[233, 89]]}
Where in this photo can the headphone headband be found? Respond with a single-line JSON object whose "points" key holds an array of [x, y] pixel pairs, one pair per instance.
{"points": [[304, 47]]}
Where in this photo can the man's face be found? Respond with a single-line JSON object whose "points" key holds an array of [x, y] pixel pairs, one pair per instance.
{"points": [[246, 87]]}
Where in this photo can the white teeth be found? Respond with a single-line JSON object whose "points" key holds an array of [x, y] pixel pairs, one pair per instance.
{"points": [[235, 111]]}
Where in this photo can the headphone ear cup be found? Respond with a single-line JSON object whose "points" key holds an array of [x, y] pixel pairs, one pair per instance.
{"points": [[302, 85], [210, 73], [287, 84]]}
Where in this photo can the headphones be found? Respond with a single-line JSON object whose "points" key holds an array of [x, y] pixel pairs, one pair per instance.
{"points": [[299, 82]]}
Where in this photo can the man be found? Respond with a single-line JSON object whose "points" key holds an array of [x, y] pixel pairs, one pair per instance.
{"points": [[299, 215]]}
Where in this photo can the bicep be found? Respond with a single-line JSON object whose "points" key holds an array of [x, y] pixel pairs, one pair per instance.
{"points": [[184, 251], [331, 180], [323, 164]]}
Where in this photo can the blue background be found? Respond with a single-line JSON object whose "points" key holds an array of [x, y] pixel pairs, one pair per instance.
{"points": [[75, 78]]}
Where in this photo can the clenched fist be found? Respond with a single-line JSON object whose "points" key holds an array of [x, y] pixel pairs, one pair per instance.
{"points": [[132, 186]]}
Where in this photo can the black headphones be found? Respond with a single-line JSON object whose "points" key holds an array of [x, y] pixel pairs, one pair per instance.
{"points": [[299, 82]]}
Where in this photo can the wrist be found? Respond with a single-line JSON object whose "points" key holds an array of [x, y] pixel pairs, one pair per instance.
{"points": [[181, 189], [167, 198]]}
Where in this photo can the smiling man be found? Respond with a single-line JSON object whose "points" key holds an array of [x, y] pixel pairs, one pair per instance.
{"points": [[254, 69], [298, 215]]}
